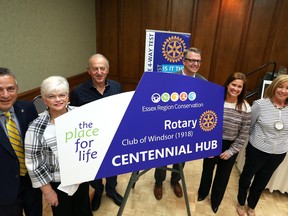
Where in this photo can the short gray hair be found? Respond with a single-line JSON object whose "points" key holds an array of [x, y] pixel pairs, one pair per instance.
{"points": [[54, 83], [7, 72], [98, 56]]}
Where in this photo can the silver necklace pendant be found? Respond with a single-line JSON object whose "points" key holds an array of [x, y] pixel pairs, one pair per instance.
{"points": [[278, 125]]}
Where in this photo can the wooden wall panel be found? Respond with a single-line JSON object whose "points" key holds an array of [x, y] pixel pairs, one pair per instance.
{"points": [[130, 41], [180, 20], [107, 36], [257, 41], [280, 45], [233, 35], [156, 14], [204, 32], [227, 41]]}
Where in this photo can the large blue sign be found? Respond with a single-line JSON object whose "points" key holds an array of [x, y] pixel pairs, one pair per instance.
{"points": [[170, 118]]}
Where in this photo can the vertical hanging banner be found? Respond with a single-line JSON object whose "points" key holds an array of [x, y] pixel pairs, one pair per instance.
{"points": [[163, 50], [170, 118]]}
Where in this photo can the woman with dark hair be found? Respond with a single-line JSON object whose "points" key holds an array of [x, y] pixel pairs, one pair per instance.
{"points": [[236, 124], [268, 143]]}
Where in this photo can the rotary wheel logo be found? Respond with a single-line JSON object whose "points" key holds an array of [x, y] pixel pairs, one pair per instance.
{"points": [[208, 120], [173, 48]]}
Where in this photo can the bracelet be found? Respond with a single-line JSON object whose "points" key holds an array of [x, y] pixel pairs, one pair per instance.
{"points": [[49, 194]]}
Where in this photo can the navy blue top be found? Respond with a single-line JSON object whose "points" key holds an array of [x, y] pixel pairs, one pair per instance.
{"points": [[86, 92]]}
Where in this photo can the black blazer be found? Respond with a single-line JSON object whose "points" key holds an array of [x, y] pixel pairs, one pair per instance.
{"points": [[9, 164]]}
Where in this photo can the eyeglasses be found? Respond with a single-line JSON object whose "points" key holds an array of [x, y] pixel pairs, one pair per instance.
{"points": [[54, 97], [95, 69], [194, 61]]}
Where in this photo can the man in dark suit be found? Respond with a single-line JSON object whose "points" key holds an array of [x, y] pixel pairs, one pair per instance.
{"points": [[16, 192], [191, 61]]}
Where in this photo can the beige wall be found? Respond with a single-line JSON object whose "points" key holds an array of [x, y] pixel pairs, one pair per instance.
{"points": [[39, 38]]}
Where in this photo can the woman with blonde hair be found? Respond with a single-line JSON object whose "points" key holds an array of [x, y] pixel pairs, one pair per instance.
{"points": [[268, 143]]}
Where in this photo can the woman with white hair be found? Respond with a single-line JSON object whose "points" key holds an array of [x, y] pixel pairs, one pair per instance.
{"points": [[42, 155]]}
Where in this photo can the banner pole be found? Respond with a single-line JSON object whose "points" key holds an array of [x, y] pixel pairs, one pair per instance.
{"points": [[184, 189], [133, 179]]}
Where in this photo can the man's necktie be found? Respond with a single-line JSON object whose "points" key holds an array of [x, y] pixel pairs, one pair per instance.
{"points": [[15, 141]]}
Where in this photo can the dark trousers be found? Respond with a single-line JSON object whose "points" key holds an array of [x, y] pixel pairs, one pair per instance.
{"points": [[160, 175], [76, 205], [261, 166], [29, 200], [12, 209], [110, 187], [221, 178], [31, 197]]}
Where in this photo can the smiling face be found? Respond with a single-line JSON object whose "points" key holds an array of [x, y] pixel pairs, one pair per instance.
{"points": [[234, 89], [98, 70], [192, 63], [8, 92], [281, 93], [56, 101]]}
